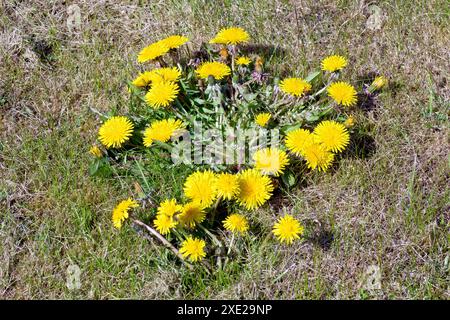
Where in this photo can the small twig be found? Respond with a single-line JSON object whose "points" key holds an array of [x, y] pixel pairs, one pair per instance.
{"points": [[163, 241]]}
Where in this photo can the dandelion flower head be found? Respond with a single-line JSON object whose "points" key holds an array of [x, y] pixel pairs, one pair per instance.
{"points": [[295, 86], [231, 36], [333, 63], [287, 229], [115, 131], [161, 94], [332, 135], [236, 223], [254, 189], [120, 212], [193, 248], [262, 119], [217, 70], [201, 186], [161, 130], [271, 161], [191, 214], [227, 185], [343, 93]]}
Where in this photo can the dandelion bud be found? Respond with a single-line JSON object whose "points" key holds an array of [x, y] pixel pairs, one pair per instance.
{"points": [[379, 82], [223, 54], [350, 122], [259, 65], [95, 151]]}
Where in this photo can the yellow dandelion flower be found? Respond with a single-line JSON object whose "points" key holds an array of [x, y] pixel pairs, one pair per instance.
{"points": [[193, 248], [164, 75], [333, 63], [236, 223], [243, 61], [350, 122], [115, 131], [227, 185], [332, 135], [169, 207], [254, 189], [287, 229], [271, 161], [95, 151], [295, 86], [262, 119], [191, 214], [379, 82], [343, 93], [120, 212], [161, 94], [161, 130], [317, 156], [217, 70], [297, 139], [231, 36], [201, 186], [153, 51], [143, 79], [164, 223], [174, 41]]}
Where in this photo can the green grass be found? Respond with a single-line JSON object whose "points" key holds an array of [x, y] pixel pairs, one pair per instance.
{"points": [[387, 207]]}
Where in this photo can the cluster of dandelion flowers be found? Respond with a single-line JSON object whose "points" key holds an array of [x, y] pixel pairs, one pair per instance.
{"points": [[201, 186], [231, 36], [236, 223], [243, 61], [120, 212], [217, 70], [296, 141], [262, 119], [343, 93], [164, 223], [115, 131], [317, 156], [333, 63], [191, 214], [271, 161], [95, 151], [161, 94], [295, 86], [332, 135], [169, 207], [193, 248], [153, 51], [162, 130], [254, 189], [227, 185], [174, 42], [164, 75], [287, 229]]}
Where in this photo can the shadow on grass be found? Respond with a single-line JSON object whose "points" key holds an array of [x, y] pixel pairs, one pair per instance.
{"points": [[319, 234], [362, 146]]}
